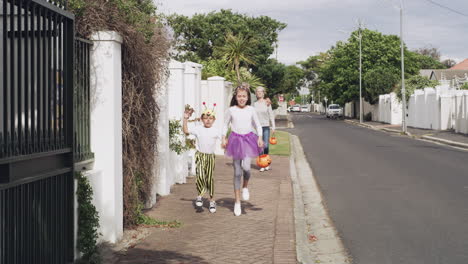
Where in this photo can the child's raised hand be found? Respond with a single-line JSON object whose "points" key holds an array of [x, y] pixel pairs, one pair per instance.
{"points": [[187, 114]]}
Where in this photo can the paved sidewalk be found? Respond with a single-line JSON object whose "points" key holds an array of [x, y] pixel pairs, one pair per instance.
{"points": [[264, 233]]}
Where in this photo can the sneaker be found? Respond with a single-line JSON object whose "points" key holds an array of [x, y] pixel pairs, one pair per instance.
{"points": [[199, 201], [262, 169], [237, 209], [267, 168], [245, 194], [212, 206]]}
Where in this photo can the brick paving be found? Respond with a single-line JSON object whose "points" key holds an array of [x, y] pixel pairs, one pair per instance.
{"points": [[264, 233]]}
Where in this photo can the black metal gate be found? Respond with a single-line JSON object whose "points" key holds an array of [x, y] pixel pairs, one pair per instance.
{"points": [[36, 132]]}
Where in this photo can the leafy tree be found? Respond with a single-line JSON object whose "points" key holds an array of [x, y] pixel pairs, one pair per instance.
{"points": [[215, 67], [235, 51], [312, 65], [377, 81], [413, 83], [291, 80], [339, 75], [464, 86], [449, 63], [198, 36], [429, 51], [272, 74], [426, 62]]}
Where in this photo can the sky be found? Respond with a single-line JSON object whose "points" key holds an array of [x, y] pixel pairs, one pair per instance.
{"points": [[313, 26]]}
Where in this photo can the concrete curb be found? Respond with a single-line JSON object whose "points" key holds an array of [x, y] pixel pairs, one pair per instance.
{"points": [[317, 240], [376, 128], [359, 124], [428, 138], [445, 141]]}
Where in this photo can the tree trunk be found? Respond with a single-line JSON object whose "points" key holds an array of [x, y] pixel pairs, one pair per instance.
{"points": [[236, 62]]}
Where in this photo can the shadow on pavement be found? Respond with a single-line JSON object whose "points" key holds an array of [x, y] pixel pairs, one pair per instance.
{"points": [[229, 203], [141, 256]]}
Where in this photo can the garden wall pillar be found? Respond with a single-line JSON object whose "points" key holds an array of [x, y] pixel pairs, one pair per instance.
{"points": [[106, 133]]}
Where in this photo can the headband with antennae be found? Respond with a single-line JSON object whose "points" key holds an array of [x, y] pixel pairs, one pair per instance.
{"points": [[209, 112]]}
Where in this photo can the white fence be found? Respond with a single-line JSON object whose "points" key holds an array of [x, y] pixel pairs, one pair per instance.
{"points": [[389, 109], [184, 86], [439, 108]]}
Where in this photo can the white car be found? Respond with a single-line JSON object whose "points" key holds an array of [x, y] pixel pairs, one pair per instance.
{"points": [[334, 111], [305, 108], [295, 108]]}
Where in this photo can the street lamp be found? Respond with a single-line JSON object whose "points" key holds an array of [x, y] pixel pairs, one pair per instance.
{"points": [[403, 90], [360, 74], [360, 68]]}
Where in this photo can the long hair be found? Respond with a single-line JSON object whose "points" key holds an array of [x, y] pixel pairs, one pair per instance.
{"points": [[243, 87]]}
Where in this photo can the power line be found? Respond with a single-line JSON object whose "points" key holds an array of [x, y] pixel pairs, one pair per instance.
{"points": [[446, 7]]}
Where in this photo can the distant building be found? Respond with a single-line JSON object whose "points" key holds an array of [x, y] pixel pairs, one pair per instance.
{"points": [[448, 74], [454, 77], [461, 66]]}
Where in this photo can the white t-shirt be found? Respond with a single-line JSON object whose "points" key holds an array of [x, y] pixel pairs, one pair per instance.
{"points": [[206, 138], [243, 120]]}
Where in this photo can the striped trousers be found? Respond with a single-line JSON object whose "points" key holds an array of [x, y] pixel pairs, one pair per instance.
{"points": [[205, 164]]}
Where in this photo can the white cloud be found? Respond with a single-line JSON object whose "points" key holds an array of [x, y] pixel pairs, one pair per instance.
{"points": [[313, 24]]}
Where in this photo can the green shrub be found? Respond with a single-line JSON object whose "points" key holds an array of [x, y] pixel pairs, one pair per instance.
{"points": [[88, 222]]}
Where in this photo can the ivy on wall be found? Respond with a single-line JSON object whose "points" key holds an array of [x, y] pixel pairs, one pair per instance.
{"points": [[88, 222], [177, 141]]}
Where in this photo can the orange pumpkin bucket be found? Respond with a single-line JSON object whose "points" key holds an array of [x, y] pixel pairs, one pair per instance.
{"points": [[263, 161], [273, 141]]}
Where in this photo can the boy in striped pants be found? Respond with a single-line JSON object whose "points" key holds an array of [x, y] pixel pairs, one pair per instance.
{"points": [[206, 138]]}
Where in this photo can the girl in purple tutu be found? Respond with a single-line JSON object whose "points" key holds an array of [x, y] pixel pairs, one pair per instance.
{"points": [[243, 144]]}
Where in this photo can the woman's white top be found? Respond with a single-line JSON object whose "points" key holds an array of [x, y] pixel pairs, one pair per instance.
{"points": [[242, 120], [206, 138], [265, 114]]}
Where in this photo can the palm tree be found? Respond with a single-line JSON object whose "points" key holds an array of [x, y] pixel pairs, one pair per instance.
{"points": [[237, 50]]}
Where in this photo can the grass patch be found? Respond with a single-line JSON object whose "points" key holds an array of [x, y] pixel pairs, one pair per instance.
{"points": [[281, 148], [149, 221]]}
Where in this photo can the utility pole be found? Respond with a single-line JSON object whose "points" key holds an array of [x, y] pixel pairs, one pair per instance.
{"points": [[360, 26], [276, 50], [403, 90], [360, 73]]}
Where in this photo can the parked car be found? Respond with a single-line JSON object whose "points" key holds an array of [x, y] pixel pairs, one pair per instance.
{"points": [[295, 108], [334, 111], [305, 108]]}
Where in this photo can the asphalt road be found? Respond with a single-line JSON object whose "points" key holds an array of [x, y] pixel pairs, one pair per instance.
{"points": [[393, 199]]}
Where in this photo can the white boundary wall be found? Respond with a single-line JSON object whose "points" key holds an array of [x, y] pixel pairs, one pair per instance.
{"points": [[217, 90], [389, 109], [439, 108], [106, 133], [184, 86]]}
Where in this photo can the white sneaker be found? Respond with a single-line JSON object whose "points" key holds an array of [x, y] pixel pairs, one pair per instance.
{"points": [[245, 194], [199, 201], [262, 169], [212, 207], [267, 168], [237, 209]]}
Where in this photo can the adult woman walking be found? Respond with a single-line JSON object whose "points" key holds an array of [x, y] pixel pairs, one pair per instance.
{"points": [[266, 117]]}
